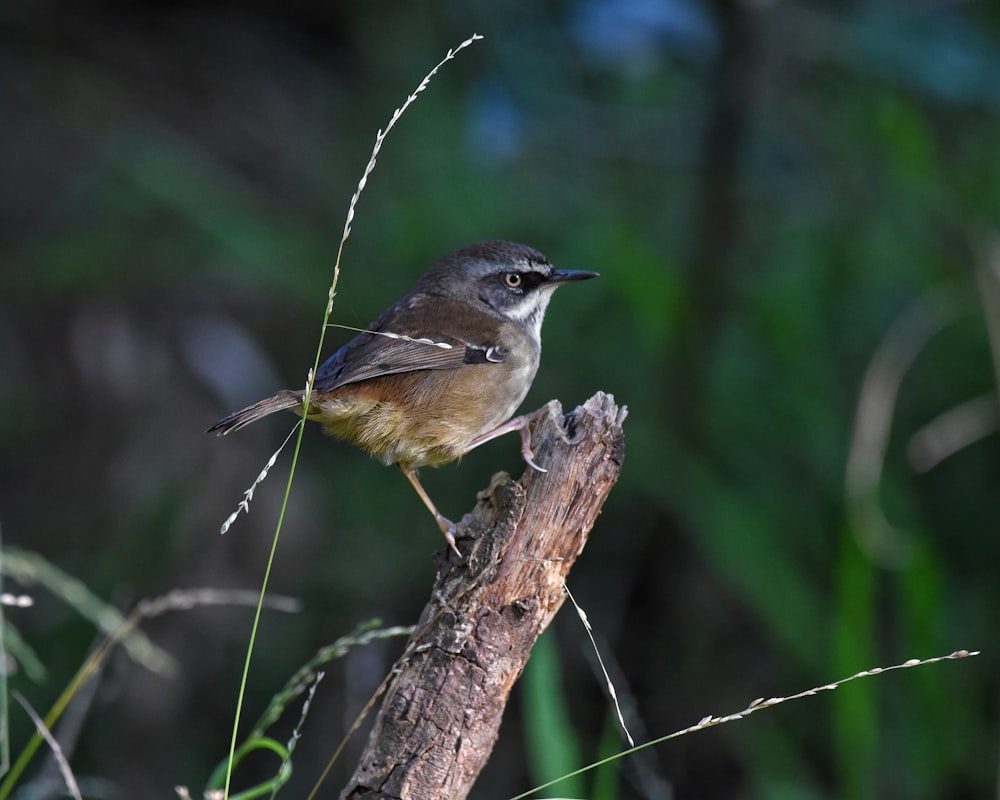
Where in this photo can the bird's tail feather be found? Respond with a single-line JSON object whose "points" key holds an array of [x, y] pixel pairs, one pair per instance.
{"points": [[238, 419]]}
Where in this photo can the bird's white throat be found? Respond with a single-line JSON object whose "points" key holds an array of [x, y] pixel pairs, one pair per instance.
{"points": [[530, 312]]}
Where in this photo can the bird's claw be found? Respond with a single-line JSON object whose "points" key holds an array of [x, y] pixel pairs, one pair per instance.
{"points": [[529, 457], [448, 529]]}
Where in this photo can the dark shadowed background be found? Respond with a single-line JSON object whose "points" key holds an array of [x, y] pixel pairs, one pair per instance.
{"points": [[782, 198]]}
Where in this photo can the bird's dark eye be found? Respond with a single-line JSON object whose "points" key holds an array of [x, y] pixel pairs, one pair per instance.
{"points": [[513, 280]]}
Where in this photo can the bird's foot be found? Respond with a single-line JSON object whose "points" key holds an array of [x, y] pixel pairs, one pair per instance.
{"points": [[529, 457], [448, 529]]}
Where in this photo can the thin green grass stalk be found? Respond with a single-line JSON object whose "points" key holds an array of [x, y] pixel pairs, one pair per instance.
{"points": [[369, 168], [258, 611], [756, 705]]}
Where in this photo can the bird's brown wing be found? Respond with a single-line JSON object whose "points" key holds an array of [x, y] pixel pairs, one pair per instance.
{"points": [[384, 348]]}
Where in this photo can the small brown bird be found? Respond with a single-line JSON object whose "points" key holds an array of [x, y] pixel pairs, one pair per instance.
{"points": [[442, 370]]}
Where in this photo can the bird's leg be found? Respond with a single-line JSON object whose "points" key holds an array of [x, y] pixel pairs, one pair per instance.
{"points": [[520, 424], [446, 525]]}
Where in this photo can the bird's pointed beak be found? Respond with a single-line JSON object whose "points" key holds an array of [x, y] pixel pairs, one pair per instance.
{"points": [[567, 275]]}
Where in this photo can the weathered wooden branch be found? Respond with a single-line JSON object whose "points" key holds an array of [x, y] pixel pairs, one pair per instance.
{"points": [[441, 712]]}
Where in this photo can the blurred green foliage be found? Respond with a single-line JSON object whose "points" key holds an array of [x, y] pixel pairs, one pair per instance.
{"points": [[767, 189]]}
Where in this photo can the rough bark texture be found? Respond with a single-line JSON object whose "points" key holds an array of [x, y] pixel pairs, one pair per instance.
{"points": [[441, 712]]}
